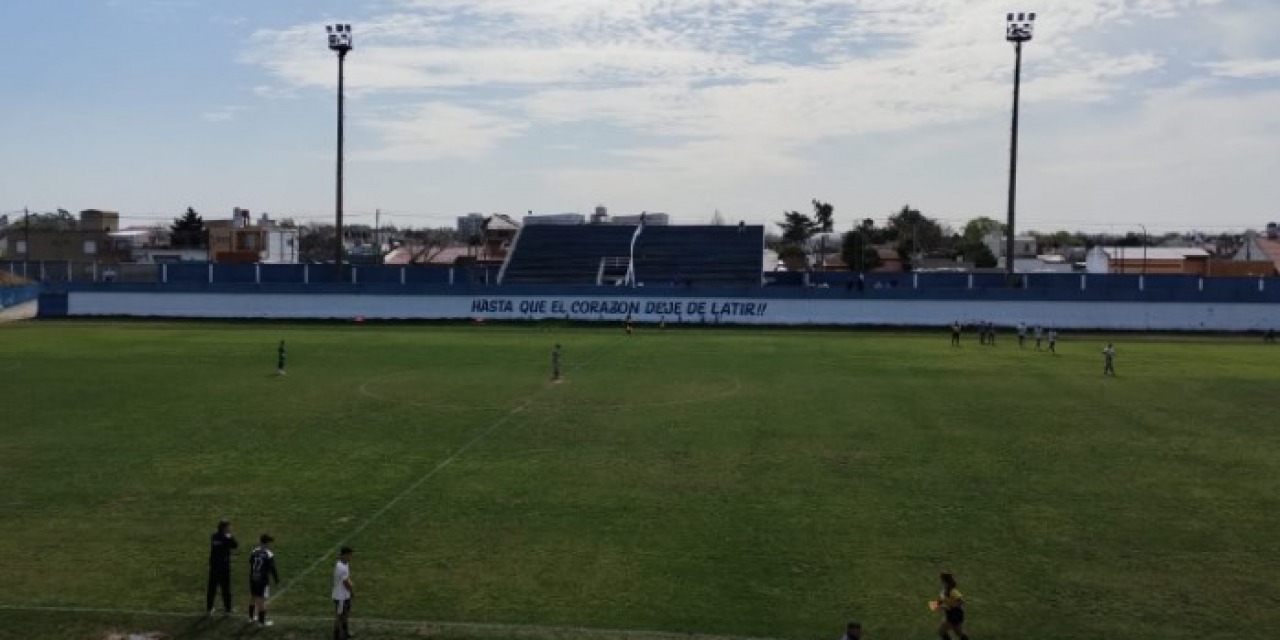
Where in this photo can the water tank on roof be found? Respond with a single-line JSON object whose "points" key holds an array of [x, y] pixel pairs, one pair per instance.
{"points": [[601, 216], [1272, 231]]}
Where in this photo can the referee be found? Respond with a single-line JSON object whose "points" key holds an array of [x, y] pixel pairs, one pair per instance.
{"points": [[952, 605], [221, 544]]}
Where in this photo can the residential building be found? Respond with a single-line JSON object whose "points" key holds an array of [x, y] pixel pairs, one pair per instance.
{"points": [[281, 245], [500, 231], [1023, 246], [470, 225], [1257, 256], [1148, 260], [235, 240], [88, 240]]}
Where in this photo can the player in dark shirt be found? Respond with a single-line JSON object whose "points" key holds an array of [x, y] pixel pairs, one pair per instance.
{"points": [[280, 357], [555, 363], [262, 572], [955, 334], [221, 544]]}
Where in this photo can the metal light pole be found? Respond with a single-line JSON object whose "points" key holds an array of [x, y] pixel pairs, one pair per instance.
{"points": [[339, 43], [1017, 30], [1144, 248]]}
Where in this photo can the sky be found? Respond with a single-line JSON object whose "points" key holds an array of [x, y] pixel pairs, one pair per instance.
{"points": [[1162, 114]]}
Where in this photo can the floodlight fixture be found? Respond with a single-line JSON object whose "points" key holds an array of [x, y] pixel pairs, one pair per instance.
{"points": [[339, 38], [1019, 27]]}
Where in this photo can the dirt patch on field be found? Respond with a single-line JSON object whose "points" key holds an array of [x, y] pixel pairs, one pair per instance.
{"points": [[146, 635]]}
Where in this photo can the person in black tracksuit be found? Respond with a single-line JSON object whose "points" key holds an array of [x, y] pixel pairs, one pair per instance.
{"points": [[221, 544]]}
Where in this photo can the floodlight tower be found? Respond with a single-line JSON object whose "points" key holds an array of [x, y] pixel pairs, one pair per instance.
{"points": [[339, 43], [1018, 30]]}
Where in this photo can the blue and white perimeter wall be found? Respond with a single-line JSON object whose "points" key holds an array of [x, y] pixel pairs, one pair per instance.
{"points": [[748, 307], [12, 296]]}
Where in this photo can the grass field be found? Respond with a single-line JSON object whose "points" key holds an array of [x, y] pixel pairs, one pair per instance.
{"points": [[724, 482]]}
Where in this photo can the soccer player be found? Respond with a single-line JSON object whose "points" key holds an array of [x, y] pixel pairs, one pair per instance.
{"points": [[280, 355], [555, 363], [1269, 336], [852, 631], [221, 544], [991, 334], [955, 333], [1039, 336], [1053, 340], [343, 591], [951, 603], [1022, 335], [1108, 355], [627, 324], [262, 572]]}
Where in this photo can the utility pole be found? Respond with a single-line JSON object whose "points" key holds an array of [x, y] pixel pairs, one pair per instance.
{"points": [[377, 231], [26, 234]]}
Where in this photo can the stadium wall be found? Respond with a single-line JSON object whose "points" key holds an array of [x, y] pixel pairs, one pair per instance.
{"points": [[12, 296], [747, 307]]}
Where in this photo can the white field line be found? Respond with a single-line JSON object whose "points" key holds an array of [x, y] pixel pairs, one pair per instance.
{"points": [[412, 487], [735, 387], [506, 629]]}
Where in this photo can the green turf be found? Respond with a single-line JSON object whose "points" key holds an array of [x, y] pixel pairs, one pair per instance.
{"points": [[729, 482]]}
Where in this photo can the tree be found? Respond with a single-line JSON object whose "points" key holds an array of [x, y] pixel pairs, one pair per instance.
{"points": [[797, 227], [873, 234], [914, 233], [430, 242], [188, 230], [62, 220], [792, 255], [979, 254], [315, 243], [823, 221], [972, 245], [858, 251], [977, 229], [717, 219], [1059, 240]]}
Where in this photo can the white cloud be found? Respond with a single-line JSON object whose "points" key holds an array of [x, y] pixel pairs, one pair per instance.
{"points": [[705, 95], [437, 130], [1246, 69]]}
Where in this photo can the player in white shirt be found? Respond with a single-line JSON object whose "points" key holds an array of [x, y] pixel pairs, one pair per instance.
{"points": [[342, 593], [1108, 356], [1053, 341], [1022, 335], [1039, 336]]}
